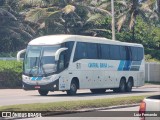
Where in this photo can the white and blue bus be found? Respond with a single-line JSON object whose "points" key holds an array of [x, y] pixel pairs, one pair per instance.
{"points": [[71, 62]]}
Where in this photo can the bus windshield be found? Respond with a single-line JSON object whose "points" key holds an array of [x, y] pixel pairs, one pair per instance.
{"points": [[40, 60]]}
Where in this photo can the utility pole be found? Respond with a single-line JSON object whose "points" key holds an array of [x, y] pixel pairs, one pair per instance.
{"points": [[113, 20]]}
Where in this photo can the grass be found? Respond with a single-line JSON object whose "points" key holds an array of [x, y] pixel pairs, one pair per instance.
{"points": [[74, 105], [154, 83]]}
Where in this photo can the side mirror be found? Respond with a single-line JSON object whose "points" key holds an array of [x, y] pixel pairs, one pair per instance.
{"points": [[19, 54], [58, 53]]}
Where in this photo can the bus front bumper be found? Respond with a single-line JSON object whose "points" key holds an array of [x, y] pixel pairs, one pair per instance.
{"points": [[53, 86]]}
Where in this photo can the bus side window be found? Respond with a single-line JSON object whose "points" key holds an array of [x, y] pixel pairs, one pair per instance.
{"points": [[92, 51], [80, 52], [123, 53], [115, 52], [128, 53], [140, 53], [104, 48], [134, 53]]}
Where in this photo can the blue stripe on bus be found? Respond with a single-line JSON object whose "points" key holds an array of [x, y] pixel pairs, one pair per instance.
{"points": [[121, 65], [127, 65], [36, 78]]}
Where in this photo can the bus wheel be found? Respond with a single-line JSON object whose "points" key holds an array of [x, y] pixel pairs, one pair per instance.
{"points": [[73, 88], [129, 86], [98, 90], [122, 86], [43, 92]]}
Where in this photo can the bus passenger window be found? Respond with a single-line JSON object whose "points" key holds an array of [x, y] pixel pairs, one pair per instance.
{"points": [[80, 52], [134, 53], [104, 51], [114, 52], [92, 51], [123, 53], [140, 53]]}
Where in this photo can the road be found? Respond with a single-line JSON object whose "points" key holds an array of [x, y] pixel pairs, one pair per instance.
{"points": [[19, 96]]}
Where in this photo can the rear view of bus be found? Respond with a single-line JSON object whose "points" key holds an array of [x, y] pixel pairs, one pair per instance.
{"points": [[71, 62]]}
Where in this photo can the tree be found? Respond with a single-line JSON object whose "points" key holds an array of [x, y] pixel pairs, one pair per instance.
{"points": [[66, 16], [12, 28], [133, 8], [158, 6]]}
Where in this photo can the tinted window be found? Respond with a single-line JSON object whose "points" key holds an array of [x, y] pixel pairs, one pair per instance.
{"points": [[137, 53], [123, 53], [92, 51], [134, 53], [80, 52], [104, 51], [140, 53], [114, 52]]}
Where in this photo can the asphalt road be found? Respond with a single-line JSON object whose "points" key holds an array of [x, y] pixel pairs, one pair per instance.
{"points": [[19, 96]]}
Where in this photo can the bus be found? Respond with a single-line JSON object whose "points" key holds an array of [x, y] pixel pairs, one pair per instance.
{"points": [[72, 62]]}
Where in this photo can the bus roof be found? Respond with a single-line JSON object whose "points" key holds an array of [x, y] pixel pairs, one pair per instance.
{"points": [[58, 39]]}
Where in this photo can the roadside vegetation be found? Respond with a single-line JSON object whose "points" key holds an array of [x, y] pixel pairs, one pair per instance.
{"points": [[153, 83], [74, 105], [10, 74], [137, 21]]}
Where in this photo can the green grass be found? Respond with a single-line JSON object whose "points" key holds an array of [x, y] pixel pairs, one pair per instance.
{"points": [[74, 105], [154, 83]]}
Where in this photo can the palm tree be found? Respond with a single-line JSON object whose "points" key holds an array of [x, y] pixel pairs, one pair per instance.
{"points": [[65, 16], [12, 29], [133, 8]]}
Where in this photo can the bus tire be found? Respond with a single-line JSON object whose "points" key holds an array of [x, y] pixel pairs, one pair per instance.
{"points": [[122, 86], [94, 91], [73, 88], [129, 86], [43, 92]]}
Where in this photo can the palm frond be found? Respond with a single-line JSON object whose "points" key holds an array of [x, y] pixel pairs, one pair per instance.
{"points": [[68, 9], [95, 17], [147, 4], [122, 2], [35, 15], [33, 3], [104, 4], [132, 20], [121, 20], [4, 13], [96, 10]]}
